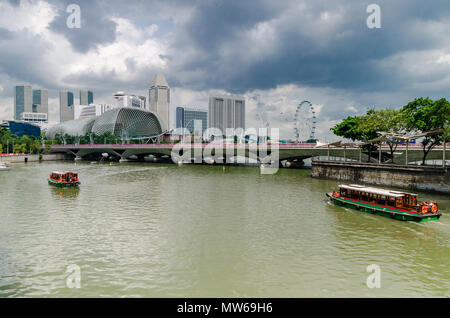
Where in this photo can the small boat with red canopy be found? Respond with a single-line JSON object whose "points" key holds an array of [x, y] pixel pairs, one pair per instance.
{"points": [[64, 179], [395, 204]]}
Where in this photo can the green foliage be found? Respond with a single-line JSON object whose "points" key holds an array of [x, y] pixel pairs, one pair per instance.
{"points": [[349, 128], [419, 116], [423, 115], [47, 149], [12, 143]]}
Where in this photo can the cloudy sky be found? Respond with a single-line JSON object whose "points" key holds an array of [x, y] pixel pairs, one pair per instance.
{"points": [[275, 53]]}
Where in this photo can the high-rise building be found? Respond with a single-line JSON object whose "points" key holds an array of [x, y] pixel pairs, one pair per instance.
{"points": [[66, 111], [86, 97], [40, 101], [226, 112], [23, 100], [126, 100], [159, 98], [194, 120]]}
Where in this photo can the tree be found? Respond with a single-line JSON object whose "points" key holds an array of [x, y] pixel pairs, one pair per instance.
{"points": [[18, 148], [385, 120], [358, 128], [423, 115]]}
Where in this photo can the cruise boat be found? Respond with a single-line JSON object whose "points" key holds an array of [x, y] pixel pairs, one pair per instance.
{"points": [[64, 179], [394, 204], [4, 166]]}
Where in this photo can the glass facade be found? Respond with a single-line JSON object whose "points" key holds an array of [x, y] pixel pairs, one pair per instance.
{"points": [[66, 107], [22, 100], [69, 99], [40, 101], [37, 97], [194, 120], [122, 122], [90, 97], [86, 97], [21, 129]]}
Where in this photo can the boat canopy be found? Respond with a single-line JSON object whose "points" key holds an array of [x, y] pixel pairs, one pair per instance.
{"points": [[389, 193], [63, 172]]}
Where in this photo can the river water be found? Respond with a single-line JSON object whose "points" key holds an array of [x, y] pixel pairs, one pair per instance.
{"points": [[148, 230]]}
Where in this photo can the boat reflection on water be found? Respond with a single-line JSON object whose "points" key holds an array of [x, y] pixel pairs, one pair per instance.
{"points": [[65, 193]]}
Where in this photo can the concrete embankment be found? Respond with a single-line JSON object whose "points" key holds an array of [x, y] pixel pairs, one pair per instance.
{"points": [[434, 179], [32, 158]]}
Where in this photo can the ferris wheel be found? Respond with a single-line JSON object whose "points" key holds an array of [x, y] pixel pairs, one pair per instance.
{"points": [[303, 121]]}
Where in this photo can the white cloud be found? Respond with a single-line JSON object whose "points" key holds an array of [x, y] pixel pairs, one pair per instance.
{"points": [[33, 16], [351, 108]]}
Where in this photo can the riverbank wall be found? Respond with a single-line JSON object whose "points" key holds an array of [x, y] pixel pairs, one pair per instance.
{"points": [[32, 158], [422, 178]]}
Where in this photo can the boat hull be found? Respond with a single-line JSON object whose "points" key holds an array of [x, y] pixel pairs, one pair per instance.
{"points": [[63, 184], [383, 211]]}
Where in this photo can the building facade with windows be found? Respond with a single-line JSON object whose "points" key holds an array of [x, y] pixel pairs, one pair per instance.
{"points": [[226, 112], [89, 111], [66, 108], [37, 118], [86, 97], [40, 101], [23, 100], [194, 120], [159, 98], [127, 100]]}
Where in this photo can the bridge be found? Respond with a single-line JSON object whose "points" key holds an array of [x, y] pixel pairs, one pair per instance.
{"points": [[261, 152]]}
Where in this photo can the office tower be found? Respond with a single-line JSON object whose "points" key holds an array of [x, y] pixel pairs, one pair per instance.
{"points": [[194, 120], [143, 102], [226, 112], [86, 97], [159, 98], [40, 101], [23, 100], [66, 111]]}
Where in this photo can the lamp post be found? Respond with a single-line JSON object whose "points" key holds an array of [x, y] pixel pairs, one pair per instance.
{"points": [[407, 143], [379, 154], [443, 154]]}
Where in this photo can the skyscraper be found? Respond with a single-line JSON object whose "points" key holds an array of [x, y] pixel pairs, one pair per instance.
{"points": [[159, 98], [66, 111], [40, 101], [86, 97], [195, 120], [226, 112], [23, 100]]}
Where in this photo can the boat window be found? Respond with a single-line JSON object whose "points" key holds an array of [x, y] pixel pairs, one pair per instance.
{"points": [[391, 201]]}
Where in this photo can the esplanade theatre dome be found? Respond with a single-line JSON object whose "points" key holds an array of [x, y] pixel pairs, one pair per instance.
{"points": [[122, 122]]}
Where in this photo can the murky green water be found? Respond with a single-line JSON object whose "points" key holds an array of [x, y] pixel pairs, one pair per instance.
{"points": [[147, 230]]}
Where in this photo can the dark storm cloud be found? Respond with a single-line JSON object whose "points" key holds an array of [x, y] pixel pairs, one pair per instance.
{"points": [[96, 26], [21, 57], [14, 2], [214, 45], [308, 52]]}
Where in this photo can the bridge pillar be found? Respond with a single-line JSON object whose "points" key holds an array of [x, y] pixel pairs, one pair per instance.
{"points": [[77, 158]]}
